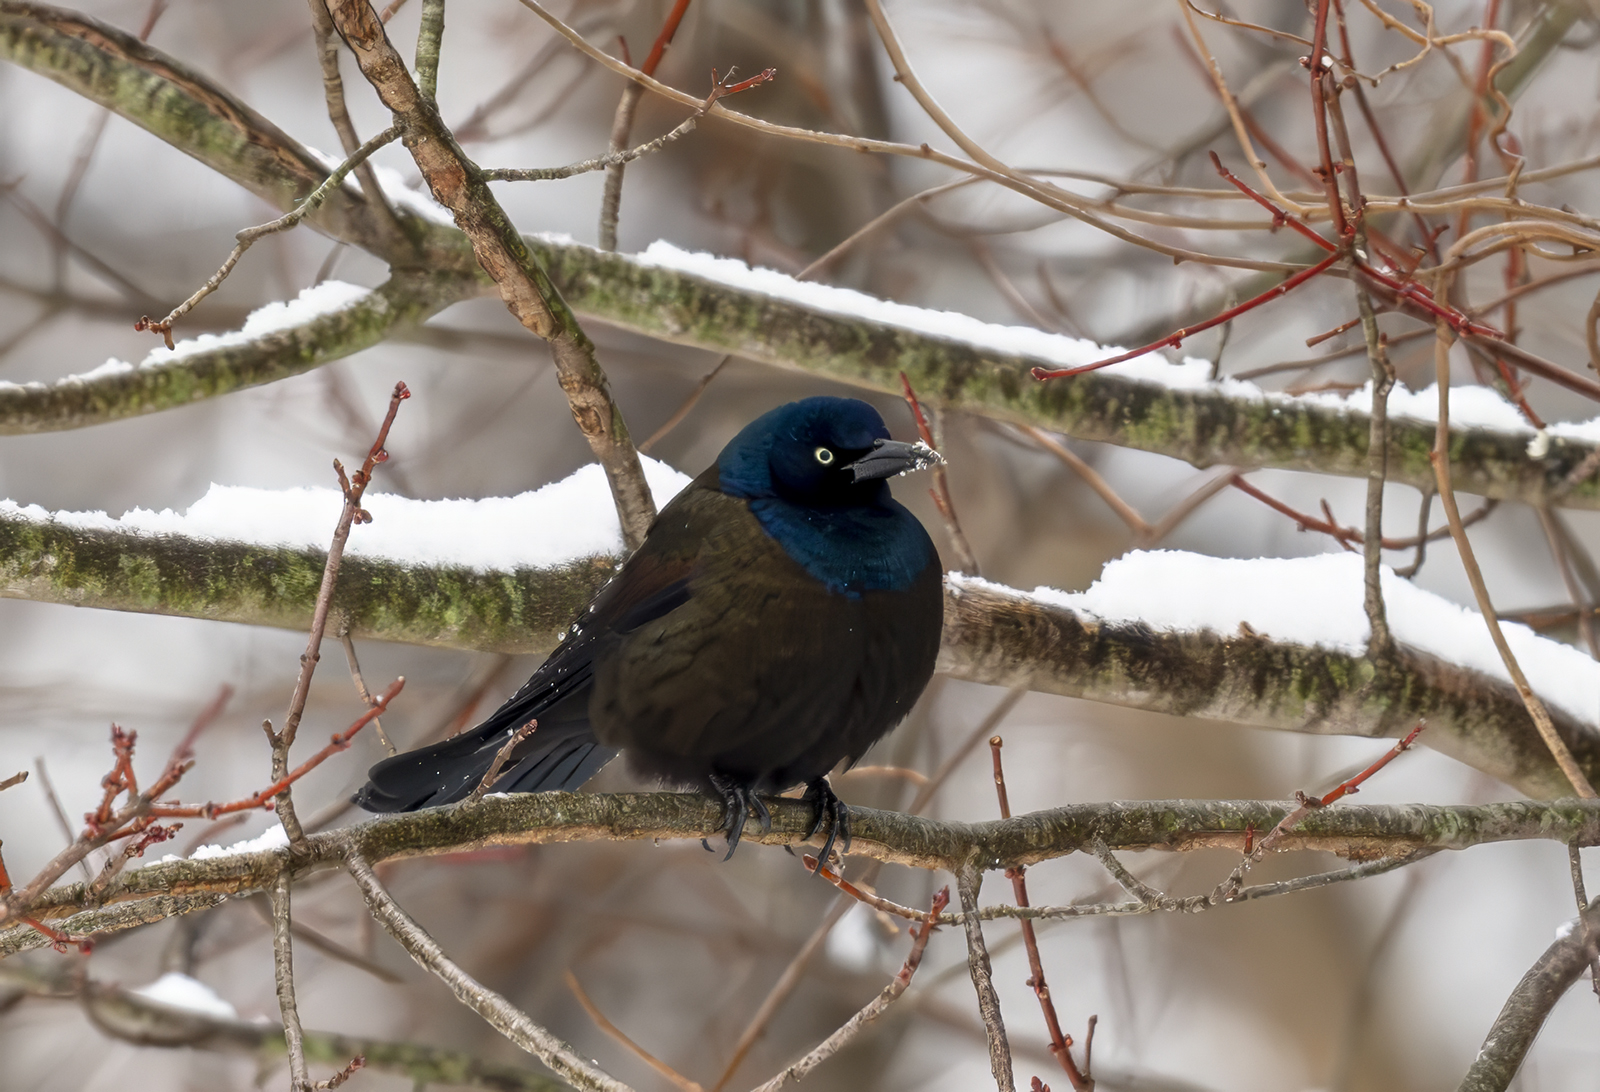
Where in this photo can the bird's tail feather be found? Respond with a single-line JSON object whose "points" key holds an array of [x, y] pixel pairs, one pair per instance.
{"points": [[559, 756]]}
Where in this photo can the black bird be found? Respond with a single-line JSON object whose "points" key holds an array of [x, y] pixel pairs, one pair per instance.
{"points": [[782, 614]]}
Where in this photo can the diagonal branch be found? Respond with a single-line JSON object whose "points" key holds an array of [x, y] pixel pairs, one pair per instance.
{"points": [[501, 1014], [458, 184]]}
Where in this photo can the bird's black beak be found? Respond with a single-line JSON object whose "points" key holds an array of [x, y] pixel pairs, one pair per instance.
{"points": [[890, 457]]}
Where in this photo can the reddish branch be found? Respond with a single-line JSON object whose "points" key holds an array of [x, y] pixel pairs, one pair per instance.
{"points": [[1400, 291], [1060, 1043], [138, 818], [339, 741], [354, 487], [1348, 537], [1229, 888]]}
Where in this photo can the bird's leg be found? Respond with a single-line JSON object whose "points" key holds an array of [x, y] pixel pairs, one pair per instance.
{"points": [[828, 806], [738, 804]]}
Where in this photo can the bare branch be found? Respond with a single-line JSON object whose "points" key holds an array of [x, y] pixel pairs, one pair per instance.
{"points": [[968, 877], [501, 1014]]}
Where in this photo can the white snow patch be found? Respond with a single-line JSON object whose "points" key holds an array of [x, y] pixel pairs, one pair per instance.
{"points": [[111, 367], [1470, 406], [274, 837], [1317, 601], [559, 523], [179, 991], [323, 299]]}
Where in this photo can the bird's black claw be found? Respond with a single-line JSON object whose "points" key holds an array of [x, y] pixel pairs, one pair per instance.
{"points": [[837, 814], [739, 802]]}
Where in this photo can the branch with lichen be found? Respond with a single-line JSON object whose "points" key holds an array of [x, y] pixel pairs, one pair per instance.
{"points": [[406, 300], [991, 635], [1363, 832], [1205, 426]]}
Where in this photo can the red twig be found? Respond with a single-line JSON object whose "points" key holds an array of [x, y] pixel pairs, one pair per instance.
{"points": [[1304, 805], [358, 1062], [1319, 71], [339, 741], [664, 39], [1176, 338], [1060, 1044], [1354, 784], [1345, 536], [719, 89], [1279, 217], [59, 940]]}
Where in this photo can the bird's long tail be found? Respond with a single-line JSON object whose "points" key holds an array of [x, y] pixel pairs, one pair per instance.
{"points": [[557, 756]]}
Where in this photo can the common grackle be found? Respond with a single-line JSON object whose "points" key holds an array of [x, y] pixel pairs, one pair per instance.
{"points": [[782, 614]]}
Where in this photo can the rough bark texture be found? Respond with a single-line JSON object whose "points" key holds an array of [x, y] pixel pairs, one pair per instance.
{"points": [[543, 818], [1203, 427], [519, 611], [991, 635], [406, 300], [458, 185]]}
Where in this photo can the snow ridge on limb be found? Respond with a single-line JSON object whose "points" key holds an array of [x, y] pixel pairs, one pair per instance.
{"points": [[1233, 658]]}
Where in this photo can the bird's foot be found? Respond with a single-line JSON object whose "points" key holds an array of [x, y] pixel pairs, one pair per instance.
{"points": [[829, 807], [739, 802]]}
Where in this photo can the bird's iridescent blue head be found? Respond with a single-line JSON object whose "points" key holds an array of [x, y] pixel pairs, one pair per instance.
{"points": [[817, 451], [814, 475]]}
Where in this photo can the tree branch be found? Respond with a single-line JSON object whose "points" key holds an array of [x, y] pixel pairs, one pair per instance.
{"points": [[406, 299], [505, 1017], [1524, 1012], [458, 184], [1204, 426], [1363, 832], [992, 635]]}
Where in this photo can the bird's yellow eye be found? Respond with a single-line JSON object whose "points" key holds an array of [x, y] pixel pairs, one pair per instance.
{"points": [[824, 456]]}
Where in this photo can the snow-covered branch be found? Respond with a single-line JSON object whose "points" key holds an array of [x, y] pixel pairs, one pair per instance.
{"points": [[280, 340], [715, 304], [1276, 644]]}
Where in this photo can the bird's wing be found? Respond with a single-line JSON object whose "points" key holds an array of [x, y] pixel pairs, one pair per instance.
{"points": [[747, 661], [561, 753]]}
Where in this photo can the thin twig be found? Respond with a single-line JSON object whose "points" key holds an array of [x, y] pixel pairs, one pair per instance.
{"points": [[1229, 888], [968, 879], [1440, 457], [1060, 1043], [685, 406], [283, 976], [1125, 511], [604, 1024], [361, 686], [501, 1014], [597, 163], [58, 811], [327, 43], [248, 236], [966, 560], [622, 126], [1381, 642], [354, 488], [501, 757], [873, 1009]]}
